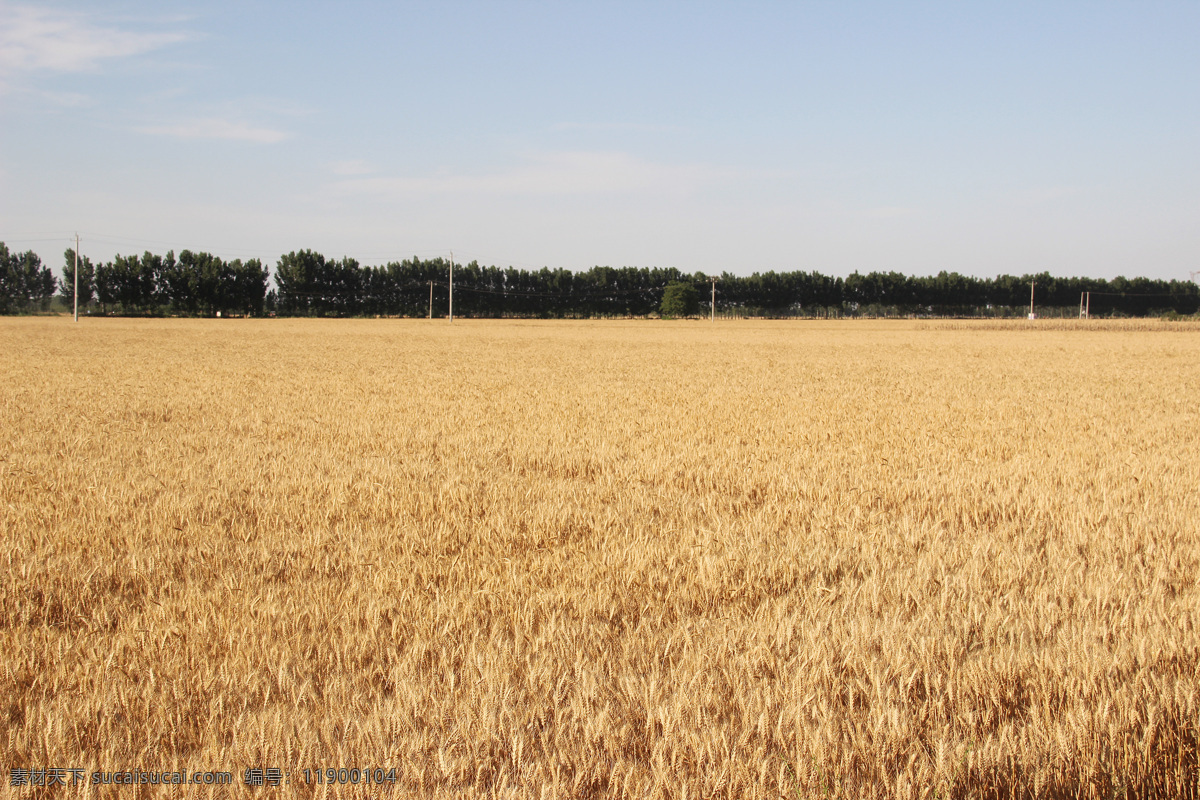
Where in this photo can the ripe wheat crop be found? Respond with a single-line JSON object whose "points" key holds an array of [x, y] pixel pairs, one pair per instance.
{"points": [[618, 559]]}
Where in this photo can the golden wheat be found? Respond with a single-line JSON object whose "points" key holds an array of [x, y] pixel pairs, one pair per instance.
{"points": [[619, 559]]}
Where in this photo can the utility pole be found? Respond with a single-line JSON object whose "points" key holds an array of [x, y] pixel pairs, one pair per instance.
{"points": [[77, 277], [431, 299], [712, 308], [1031, 285], [452, 286]]}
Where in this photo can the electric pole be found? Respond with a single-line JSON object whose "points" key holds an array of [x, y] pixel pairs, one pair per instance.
{"points": [[77, 277], [431, 299], [712, 308], [1031, 285], [452, 286]]}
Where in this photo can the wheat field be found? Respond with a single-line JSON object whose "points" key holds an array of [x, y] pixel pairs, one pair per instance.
{"points": [[612, 559]]}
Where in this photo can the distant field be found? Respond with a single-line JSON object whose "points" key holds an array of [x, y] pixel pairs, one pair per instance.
{"points": [[603, 559]]}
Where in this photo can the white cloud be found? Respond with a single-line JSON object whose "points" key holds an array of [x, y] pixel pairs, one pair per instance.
{"points": [[212, 128], [354, 166], [67, 99], [45, 39], [572, 173], [633, 127]]}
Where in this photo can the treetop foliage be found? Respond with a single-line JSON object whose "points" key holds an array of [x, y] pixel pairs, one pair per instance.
{"points": [[680, 299], [25, 285]]}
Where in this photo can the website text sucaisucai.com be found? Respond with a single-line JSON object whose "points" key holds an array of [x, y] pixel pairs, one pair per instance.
{"points": [[133, 777]]}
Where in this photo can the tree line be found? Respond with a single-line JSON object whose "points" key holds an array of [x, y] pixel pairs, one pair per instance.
{"points": [[25, 285], [306, 283], [196, 284]]}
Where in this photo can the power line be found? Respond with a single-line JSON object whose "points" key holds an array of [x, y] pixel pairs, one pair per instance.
{"points": [[24, 240]]}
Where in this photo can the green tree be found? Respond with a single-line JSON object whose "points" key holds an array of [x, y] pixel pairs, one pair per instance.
{"points": [[25, 285], [42, 285], [249, 285], [181, 282], [299, 278], [105, 284], [214, 281], [680, 300], [132, 283], [87, 277]]}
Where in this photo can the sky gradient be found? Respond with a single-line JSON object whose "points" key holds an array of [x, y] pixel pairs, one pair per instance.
{"points": [[983, 138]]}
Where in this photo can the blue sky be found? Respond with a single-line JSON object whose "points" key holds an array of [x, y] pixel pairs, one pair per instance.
{"points": [[977, 137]]}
